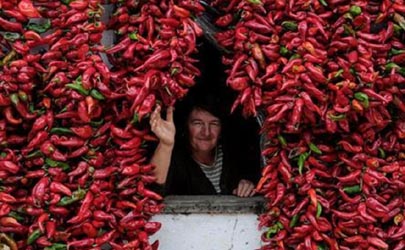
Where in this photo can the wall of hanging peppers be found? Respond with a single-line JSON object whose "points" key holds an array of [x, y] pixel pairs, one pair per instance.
{"points": [[328, 74]]}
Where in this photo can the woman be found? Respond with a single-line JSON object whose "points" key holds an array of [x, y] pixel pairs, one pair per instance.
{"points": [[205, 164]]}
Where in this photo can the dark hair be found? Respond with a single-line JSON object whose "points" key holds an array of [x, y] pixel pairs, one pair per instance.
{"points": [[207, 102]]}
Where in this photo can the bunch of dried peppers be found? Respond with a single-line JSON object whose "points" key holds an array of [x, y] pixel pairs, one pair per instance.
{"points": [[73, 167], [329, 76]]}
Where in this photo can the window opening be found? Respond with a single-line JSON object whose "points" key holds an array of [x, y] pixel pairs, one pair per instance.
{"points": [[239, 138]]}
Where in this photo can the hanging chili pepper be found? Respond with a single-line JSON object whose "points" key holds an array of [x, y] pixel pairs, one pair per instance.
{"points": [[11, 26]]}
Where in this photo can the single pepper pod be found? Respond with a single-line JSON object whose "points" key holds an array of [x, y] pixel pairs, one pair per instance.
{"points": [[314, 148], [363, 98], [77, 85], [39, 28], [34, 236], [97, 95], [290, 25], [352, 189], [301, 161]]}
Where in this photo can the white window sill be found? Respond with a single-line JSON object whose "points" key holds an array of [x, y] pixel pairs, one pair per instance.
{"points": [[212, 204]]}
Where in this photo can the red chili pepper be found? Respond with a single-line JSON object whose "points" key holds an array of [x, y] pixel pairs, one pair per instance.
{"points": [[289, 66], [363, 213], [350, 148], [160, 55], [126, 182], [352, 177], [87, 242], [8, 114], [98, 161], [10, 26], [4, 209], [378, 175], [89, 230], [398, 234], [39, 190], [132, 244], [27, 9], [315, 92], [127, 192], [285, 172], [82, 216], [33, 211], [295, 118], [20, 107], [131, 170], [13, 13], [280, 114], [400, 245], [169, 21], [181, 12], [14, 230], [79, 152], [104, 71], [299, 207], [120, 46], [4, 100], [369, 180], [280, 192], [58, 187], [79, 4], [9, 166], [104, 173], [43, 242], [224, 21], [106, 237], [58, 156], [135, 224], [50, 228], [77, 17], [41, 220], [315, 73], [377, 242], [86, 202], [152, 227], [82, 112], [238, 83], [9, 222], [101, 215], [185, 80]]}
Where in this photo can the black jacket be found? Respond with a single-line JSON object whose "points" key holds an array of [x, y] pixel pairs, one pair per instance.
{"points": [[185, 176]]}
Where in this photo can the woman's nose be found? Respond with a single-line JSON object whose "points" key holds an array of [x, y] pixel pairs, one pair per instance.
{"points": [[206, 130]]}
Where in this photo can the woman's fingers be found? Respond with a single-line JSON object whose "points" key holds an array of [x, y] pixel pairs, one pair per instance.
{"points": [[154, 119], [245, 189], [169, 114], [241, 189], [252, 191]]}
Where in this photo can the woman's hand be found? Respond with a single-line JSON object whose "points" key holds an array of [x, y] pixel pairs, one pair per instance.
{"points": [[245, 189], [163, 129]]}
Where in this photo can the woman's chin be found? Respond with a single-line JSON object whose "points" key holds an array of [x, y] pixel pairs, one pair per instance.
{"points": [[205, 148]]}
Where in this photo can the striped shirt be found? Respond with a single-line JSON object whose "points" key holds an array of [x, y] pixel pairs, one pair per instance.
{"points": [[214, 171]]}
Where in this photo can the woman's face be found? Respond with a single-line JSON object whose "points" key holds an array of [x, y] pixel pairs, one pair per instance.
{"points": [[204, 130]]}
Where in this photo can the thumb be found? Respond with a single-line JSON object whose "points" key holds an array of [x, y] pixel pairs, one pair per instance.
{"points": [[169, 114]]}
